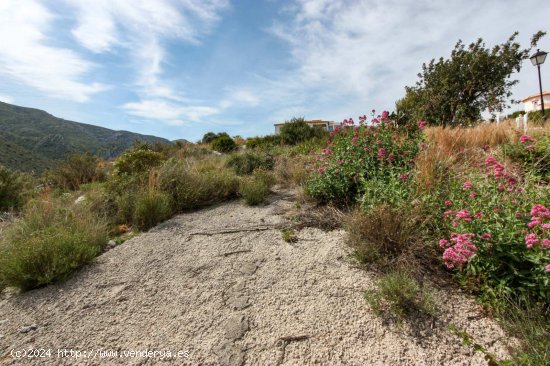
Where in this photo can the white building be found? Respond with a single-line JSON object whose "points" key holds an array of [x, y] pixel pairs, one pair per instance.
{"points": [[326, 125], [532, 102]]}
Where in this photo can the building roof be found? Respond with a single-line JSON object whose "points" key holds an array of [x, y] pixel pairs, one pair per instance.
{"points": [[536, 96], [312, 122]]}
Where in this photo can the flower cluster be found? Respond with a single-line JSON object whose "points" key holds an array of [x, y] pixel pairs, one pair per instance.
{"points": [[540, 225], [459, 250], [496, 169], [358, 152], [527, 141]]}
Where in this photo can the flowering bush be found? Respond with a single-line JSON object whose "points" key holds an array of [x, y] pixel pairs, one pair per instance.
{"points": [[358, 153], [500, 233], [533, 154]]}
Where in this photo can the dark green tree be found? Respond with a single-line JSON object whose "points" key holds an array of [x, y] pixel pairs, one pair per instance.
{"points": [[209, 137], [297, 130], [453, 92], [224, 144]]}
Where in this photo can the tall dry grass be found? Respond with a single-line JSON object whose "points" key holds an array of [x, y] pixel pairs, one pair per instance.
{"points": [[458, 150]]}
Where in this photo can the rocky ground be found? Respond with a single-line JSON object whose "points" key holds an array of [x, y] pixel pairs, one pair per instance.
{"points": [[221, 287]]}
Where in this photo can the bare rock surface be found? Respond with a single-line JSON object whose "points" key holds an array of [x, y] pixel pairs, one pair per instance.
{"points": [[222, 286]]}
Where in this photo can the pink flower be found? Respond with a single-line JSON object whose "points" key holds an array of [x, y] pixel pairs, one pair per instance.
{"points": [[486, 236], [545, 226], [421, 124], [525, 138], [385, 114], [403, 176], [354, 139], [547, 268], [473, 195], [490, 161], [467, 185], [545, 243], [463, 215], [534, 222], [381, 153], [448, 213], [479, 215], [530, 240], [461, 252], [540, 210], [443, 243], [448, 203]]}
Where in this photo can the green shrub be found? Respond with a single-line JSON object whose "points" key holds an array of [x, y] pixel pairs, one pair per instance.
{"points": [[255, 189], [389, 190], [99, 201], [192, 185], [401, 296], [264, 142], [224, 144], [150, 208], [138, 160], [77, 169], [297, 130], [15, 189], [209, 137], [247, 162], [536, 117], [355, 154], [50, 241]]}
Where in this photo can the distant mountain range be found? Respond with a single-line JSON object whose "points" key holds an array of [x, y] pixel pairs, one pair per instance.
{"points": [[33, 140]]}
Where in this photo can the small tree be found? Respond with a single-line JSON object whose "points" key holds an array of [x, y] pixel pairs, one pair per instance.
{"points": [[455, 91], [224, 144], [75, 170], [209, 137], [297, 130]]}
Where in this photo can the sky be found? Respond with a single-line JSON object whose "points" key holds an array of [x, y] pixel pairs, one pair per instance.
{"points": [[180, 68]]}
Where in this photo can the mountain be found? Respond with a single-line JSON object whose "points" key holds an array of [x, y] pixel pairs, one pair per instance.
{"points": [[33, 140]]}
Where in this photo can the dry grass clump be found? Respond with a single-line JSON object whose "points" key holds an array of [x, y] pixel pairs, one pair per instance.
{"points": [[455, 140], [292, 171], [389, 238], [326, 218], [457, 150], [198, 183]]}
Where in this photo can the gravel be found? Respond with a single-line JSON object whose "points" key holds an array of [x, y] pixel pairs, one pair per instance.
{"points": [[222, 287]]}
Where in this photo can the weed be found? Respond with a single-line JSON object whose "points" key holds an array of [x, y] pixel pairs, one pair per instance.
{"points": [[400, 296], [289, 235]]}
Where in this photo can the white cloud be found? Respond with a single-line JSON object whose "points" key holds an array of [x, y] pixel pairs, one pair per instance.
{"points": [[27, 56], [240, 97], [352, 56], [141, 27], [6, 99], [167, 112]]}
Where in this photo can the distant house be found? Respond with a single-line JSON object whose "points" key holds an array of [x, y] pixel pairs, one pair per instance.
{"points": [[532, 102], [326, 125]]}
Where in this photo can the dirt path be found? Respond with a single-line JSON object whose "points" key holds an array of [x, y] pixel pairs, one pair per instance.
{"points": [[222, 287]]}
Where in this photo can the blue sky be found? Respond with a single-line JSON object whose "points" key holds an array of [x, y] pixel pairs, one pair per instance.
{"points": [[180, 68]]}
